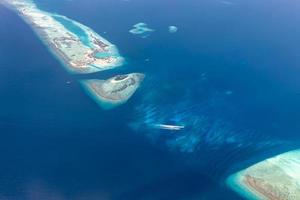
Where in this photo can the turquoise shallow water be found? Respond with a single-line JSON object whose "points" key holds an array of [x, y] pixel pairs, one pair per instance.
{"points": [[74, 29], [103, 55]]}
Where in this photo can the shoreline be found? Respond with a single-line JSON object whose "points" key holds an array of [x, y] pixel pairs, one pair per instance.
{"points": [[236, 183], [77, 48], [86, 62], [114, 91], [275, 178]]}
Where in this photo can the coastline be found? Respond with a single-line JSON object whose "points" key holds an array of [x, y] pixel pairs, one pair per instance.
{"points": [[100, 100], [275, 178], [114, 91], [90, 64], [79, 55], [236, 183]]}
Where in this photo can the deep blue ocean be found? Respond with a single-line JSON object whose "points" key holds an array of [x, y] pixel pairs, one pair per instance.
{"points": [[230, 75]]}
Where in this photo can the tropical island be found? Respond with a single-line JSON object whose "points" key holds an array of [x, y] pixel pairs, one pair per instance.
{"points": [[114, 91], [277, 178], [80, 50], [78, 47]]}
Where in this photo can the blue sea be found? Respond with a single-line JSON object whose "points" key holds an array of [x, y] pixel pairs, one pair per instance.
{"points": [[230, 76]]}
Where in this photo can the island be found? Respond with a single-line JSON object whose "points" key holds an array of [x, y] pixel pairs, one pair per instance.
{"points": [[276, 178], [78, 47], [80, 50], [114, 91]]}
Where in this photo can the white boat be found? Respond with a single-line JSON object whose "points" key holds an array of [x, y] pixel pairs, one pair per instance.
{"points": [[169, 127]]}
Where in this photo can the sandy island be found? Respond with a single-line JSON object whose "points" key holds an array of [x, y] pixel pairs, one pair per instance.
{"points": [[80, 51], [114, 91], [276, 178]]}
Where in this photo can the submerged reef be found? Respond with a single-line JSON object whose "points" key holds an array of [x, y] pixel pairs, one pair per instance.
{"points": [[141, 29], [173, 29], [276, 178], [114, 91], [75, 45], [195, 131]]}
